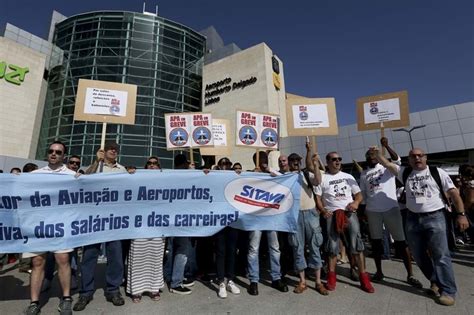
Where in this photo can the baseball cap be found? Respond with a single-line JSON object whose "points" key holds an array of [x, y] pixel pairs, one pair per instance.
{"points": [[294, 156]]}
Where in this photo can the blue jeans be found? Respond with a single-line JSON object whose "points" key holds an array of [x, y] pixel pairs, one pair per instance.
{"points": [[177, 257], [113, 273], [427, 231], [252, 256], [308, 231]]}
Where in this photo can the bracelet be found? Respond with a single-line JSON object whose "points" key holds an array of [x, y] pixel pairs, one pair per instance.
{"points": [[463, 214]]}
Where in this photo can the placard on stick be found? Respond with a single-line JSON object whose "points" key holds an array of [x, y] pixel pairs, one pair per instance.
{"points": [[311, 116], [188, 130], [388, 110], [106, 102], [221, 134], [256, 130]]}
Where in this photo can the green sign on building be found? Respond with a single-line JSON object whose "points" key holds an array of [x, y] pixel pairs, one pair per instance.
{"points": [[15, 76]]}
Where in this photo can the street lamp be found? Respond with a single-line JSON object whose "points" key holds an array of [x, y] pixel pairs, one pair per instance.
{"points": [[409, 132]]}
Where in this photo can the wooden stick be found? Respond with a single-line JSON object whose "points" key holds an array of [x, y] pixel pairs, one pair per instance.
{"points": [[382, 135], [314, 144], [257, 161], [102, 139], [191, 156]]}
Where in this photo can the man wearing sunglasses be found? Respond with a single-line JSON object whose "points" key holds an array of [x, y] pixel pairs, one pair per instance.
{"points": [[426, 222], [56, 153], [74, 163], [334, 197]]}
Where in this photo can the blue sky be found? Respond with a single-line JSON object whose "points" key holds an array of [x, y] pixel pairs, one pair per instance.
{"points": [[333, 48]]}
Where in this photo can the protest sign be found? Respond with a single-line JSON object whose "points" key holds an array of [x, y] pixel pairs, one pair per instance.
{"points": [[221, 134], [311, 116], [103, 101], [257, 130], [388, 110], [188, 130], [44, 212]]}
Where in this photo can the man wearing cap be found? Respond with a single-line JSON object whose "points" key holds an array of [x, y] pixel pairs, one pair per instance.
{"points": [[106, 162], [273, 245], [308, 228], [335, 201]]}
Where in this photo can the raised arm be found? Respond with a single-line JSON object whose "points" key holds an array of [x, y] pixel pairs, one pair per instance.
{"points": [[383, 160], [393, 154]]}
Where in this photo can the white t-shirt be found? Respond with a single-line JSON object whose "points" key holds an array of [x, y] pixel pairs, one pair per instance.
{"points": [[47, 170], [337, 190], [379, 189], [423, 194]]}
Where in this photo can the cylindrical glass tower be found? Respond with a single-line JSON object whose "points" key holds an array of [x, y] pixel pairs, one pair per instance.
{"points": [[163, 58]]}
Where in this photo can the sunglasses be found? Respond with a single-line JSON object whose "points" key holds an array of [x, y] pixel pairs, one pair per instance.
{"points": [[417, 155], [75, 163], [58, 152], [336, 159], [153, 163]]}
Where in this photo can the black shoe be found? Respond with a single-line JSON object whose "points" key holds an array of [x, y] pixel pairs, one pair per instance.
{"points": [[280, 285], [116, 299], [82, 303], [181, 290], [378, 277], [253, 289], [188, 282]]}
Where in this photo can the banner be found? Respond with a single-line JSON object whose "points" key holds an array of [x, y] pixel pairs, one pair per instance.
{"points": [[381, 111], [46, 212]]}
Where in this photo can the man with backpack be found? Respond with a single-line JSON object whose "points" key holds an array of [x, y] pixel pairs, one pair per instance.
{"points": [[425, 189]]}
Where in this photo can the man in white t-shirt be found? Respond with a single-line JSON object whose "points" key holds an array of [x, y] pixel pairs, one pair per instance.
{"points": [[379, 192], [426, 223], [56, 154], [335, 201]]}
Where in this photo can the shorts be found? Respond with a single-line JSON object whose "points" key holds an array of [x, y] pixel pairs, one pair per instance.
{"points": [[30, 255], [392, 219], [351, 238]]}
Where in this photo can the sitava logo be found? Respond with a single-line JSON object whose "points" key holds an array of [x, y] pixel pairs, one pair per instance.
{"points": [[258, 197]]}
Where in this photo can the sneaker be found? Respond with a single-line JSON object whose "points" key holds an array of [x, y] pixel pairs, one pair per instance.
{"points": [[33, 309], [182, 290], [365, 282], [414, 282], [116, 299], [231, 287], [222, 291], [434, 290], [46, 285], [82, 303], [65, 306], [446, 300], [331, 281], [188, 283]]}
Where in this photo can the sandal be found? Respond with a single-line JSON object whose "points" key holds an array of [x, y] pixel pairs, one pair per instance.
{"points": [[154, 296], [321, 289], [136, 298], [414, 282], [300, 288]]}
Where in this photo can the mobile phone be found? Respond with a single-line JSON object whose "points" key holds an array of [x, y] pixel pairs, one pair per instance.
{"points": [[307, 139]]}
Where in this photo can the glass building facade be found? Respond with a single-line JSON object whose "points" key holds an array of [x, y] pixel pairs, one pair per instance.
{"points": [[163, 58]]}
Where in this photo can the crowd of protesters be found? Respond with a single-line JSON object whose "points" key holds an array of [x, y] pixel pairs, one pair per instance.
{"points": [[329, 232]]}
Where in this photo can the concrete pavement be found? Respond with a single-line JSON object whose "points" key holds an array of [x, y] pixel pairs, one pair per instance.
{"points": [[394, 296]]}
